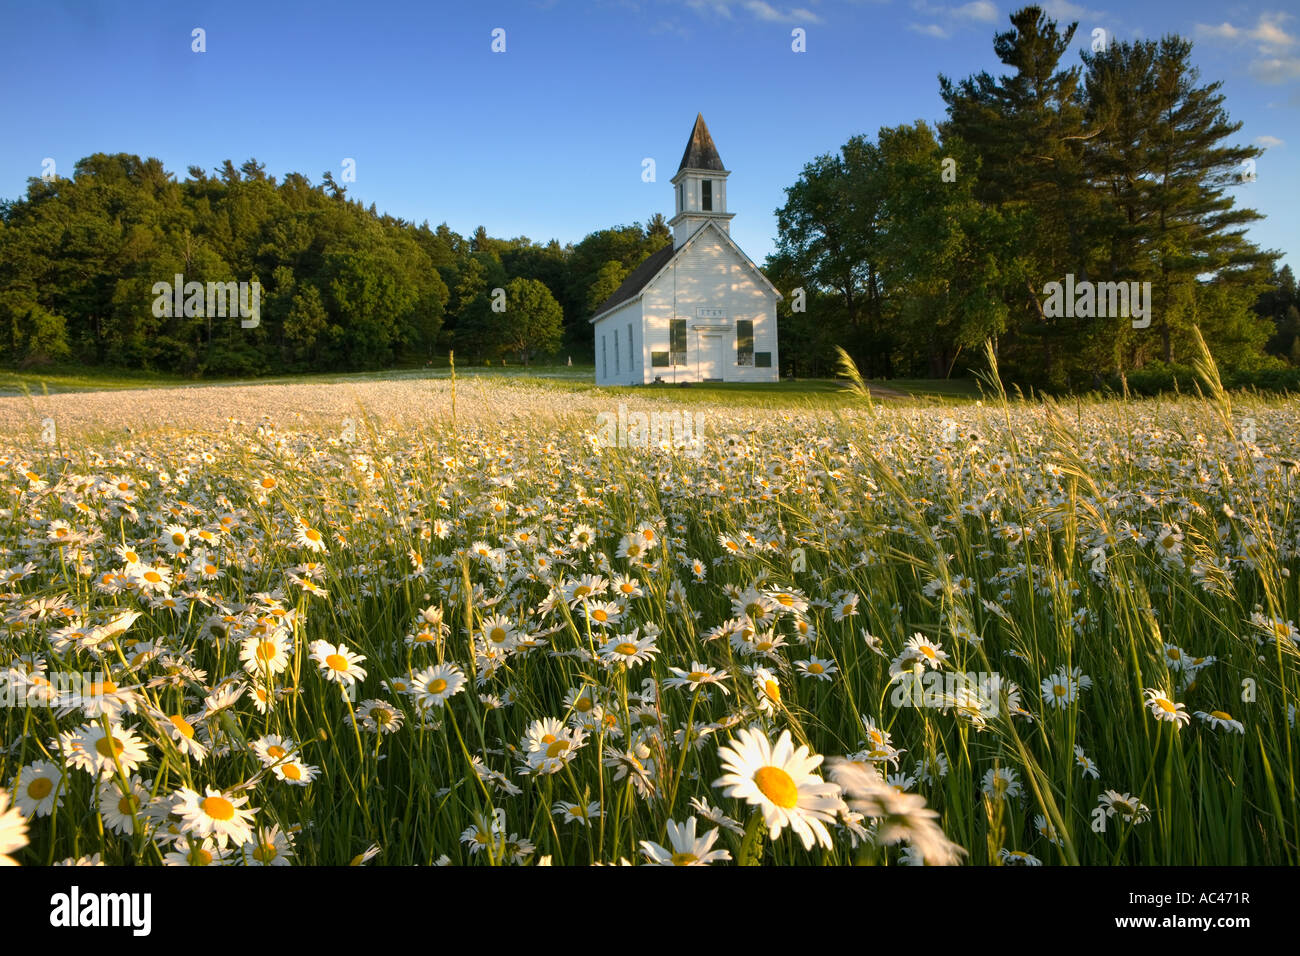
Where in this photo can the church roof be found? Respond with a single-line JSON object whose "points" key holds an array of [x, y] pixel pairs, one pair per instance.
{"points": [[636, 279], [700, 151], [648, 270]]}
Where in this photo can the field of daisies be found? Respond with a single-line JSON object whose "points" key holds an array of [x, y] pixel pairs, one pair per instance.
{"points": [[1006, 633]]}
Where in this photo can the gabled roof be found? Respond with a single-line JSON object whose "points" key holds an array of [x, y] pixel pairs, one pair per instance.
{"points": [[637, 279], [700, 151], [657, 262]]}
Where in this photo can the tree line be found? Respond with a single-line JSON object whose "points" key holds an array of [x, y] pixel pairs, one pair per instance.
{"points": [[342, 286], [917, 246]]}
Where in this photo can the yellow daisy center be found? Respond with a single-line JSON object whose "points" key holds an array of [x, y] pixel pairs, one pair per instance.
{"points": [[778, 786], [627, 648], [684, 859], [219, 808], [1221, 715], [772, 689], [108, 746], [275, 751], [266, 651], [337, 661], [292, 771], [265, 853], [40, 788], [436, 686], [181, 724], [556, 748], [584, 704]]}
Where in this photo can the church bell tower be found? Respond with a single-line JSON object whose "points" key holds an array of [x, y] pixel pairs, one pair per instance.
{"points": [[700, 187]]}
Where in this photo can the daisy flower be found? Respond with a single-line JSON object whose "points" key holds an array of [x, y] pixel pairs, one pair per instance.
{"points": [[433, 686], [214, 814], [294, 772], [1124, 805], [1002, 783], [1017, 858], [896, 815], [922, 649], [305, 536], [577, 812], [272, 847], [603, 613], [817, 667], [628, 649], [780, 782], [1221, 720], [121, 811], [769, 690], [685, 849], [203, 852], [266, 653], [182, 734], [93, 749], [697, 676], [379, 716], [13, 831], [500, 633], [36, 789], [273, 748], [1162, 708], [337, 663], [1085, 763], [715, 815], [1059, 690]]}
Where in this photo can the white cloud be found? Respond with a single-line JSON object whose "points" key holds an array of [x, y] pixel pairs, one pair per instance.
{"points": [[1268, 142], [1276, 69], [1273, 43], [1224, 31], [1065, 10], [980, 10], [765, 11], [930, 30]]}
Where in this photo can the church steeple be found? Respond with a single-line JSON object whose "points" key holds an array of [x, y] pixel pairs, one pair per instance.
{"points": [[700, 186]]}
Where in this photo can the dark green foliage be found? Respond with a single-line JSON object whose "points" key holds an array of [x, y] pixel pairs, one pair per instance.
{"points": [[1116, 170]]}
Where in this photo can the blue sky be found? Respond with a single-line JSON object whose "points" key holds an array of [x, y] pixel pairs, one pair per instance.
{"points": [[547, 139]]}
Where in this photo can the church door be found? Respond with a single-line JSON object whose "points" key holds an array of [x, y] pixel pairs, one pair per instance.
{"points": [[710, 357]]}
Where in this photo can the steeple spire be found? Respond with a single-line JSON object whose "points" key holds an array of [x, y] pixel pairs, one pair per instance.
{"points": [[700, 186], [700, 152]]}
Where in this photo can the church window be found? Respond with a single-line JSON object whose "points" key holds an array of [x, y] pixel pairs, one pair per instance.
{"points": [[744, 342], [604, 358], [706, 198], [616, 368], [677, 341]]}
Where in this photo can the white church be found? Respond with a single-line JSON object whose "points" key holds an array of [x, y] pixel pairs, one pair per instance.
{"points": [[698, 310]]}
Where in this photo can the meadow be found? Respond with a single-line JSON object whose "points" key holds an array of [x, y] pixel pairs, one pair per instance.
{"points": [[381, 622]]}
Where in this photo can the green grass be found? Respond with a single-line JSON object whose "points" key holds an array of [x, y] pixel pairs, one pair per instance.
{"points": [[981, 539]]}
